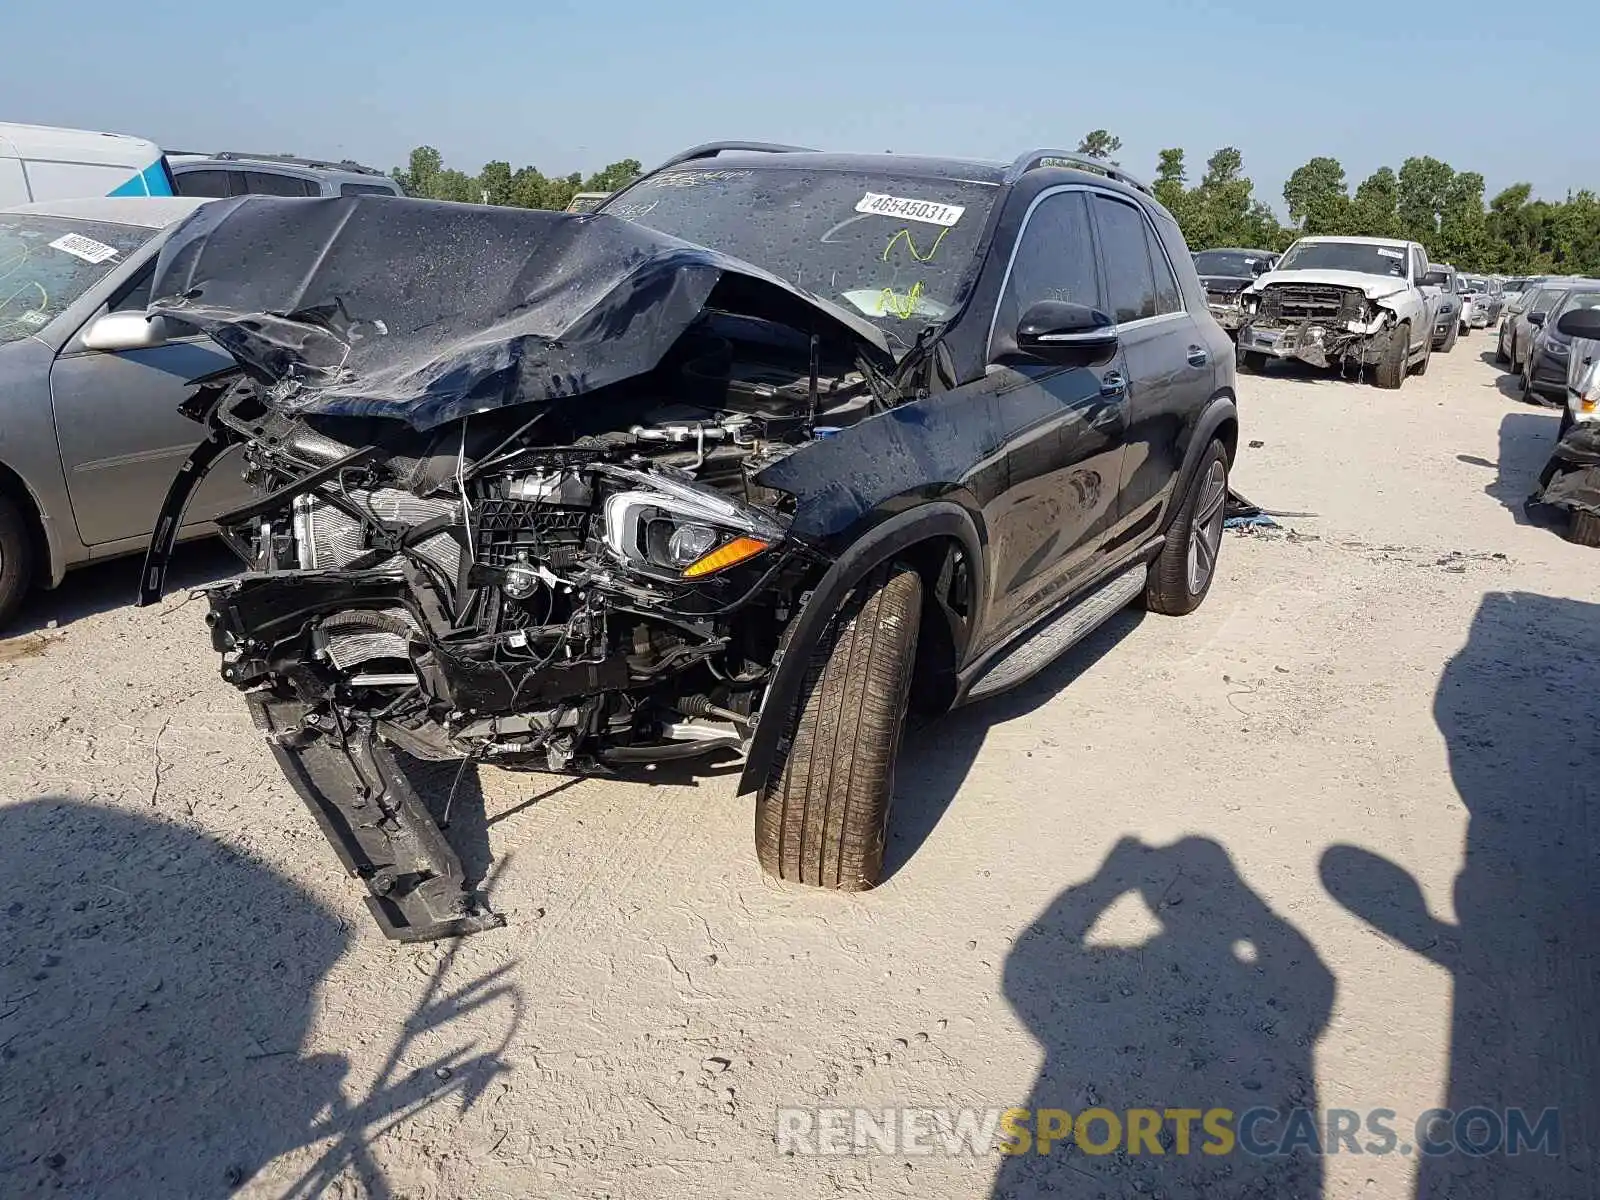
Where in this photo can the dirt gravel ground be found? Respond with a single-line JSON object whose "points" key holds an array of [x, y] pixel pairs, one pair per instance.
{"points": [[1328, 842]]}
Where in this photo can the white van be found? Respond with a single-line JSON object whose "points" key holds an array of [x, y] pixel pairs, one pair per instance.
{"points": [[39, 162]]}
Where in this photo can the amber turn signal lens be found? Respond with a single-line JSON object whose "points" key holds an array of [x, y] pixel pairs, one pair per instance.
{"points": [[726, 555]]}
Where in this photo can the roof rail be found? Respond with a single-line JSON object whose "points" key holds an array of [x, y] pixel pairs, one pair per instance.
{"points": [[1076, 162], [712, 149], [325, 164]]}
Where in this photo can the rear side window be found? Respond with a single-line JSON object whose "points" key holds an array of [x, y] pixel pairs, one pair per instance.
{"points": [[1130, 282], [1169, 298], [1054, 260], [203, 183], [267, 183]]}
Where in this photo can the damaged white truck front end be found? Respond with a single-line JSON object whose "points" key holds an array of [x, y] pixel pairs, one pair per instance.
{"points": [[1350, 316]]}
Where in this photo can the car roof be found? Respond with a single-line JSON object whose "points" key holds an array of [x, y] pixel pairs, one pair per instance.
{"points": [[151, 212], [971, 169], [300, 168], [1364, 241]]}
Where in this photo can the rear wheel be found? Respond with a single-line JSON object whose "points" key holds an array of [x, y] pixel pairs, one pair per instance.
{"points": [[16, 560], [1583, 528], [1450, 339], [823, 816], [1182, 573], [1500, 355], [1390, 372]]}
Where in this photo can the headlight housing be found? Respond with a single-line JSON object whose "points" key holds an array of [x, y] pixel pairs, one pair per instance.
{"points": [[671, 527]]}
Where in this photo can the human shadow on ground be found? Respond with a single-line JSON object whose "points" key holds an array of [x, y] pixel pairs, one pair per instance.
{"points": [[1216, 1004], [157, 990], [1516, 708]]}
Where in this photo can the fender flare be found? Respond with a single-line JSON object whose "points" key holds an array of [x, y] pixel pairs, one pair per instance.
{"points": [[937, 518], [1218, 410]]}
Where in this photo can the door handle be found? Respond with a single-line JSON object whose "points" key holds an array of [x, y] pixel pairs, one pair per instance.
{"points": [[1198, 356], [1113, 384]]}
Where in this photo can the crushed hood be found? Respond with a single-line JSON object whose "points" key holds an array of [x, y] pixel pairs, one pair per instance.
{"points": [[428, 311], [1376, 287]]}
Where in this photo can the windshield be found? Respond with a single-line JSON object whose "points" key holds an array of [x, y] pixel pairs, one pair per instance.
{"points": [[1572, 300], [1345, 256], [48, 262], [893, 248], [1474, 283], [1238, 263]]}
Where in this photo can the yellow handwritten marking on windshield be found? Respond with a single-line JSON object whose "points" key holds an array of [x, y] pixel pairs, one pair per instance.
{"points": [[892, 303], [911, 245]]}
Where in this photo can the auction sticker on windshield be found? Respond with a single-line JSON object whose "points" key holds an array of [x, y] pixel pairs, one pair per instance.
{"points": [[87, 249], [929, 211]]}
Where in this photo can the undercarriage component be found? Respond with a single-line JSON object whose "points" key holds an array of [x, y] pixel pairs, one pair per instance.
{"points": [[380, 829]]}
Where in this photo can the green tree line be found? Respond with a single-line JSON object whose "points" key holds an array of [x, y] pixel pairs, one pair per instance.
{"points": [[1426, 200]]}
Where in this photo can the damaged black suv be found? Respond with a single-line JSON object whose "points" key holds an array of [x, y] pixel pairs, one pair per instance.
{"points": [[774, 445]]}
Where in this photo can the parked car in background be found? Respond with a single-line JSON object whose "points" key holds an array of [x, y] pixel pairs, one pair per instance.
{"points": [[1544, 370], [1482, 302], [90, 432], [1513, 289], [1444, 287], [1349, 301], [1225, 273], [1516, 327], [584, 202], [43, 162], [815, 472], [216, 176], [1581, 323]]}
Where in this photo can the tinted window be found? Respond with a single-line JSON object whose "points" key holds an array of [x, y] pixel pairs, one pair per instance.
{"points": [[365, 189], [203, 183], [1054, 260], [265, 183], [1168, 298], [1130, 285]]}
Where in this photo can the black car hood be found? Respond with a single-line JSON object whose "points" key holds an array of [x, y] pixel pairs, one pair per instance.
{"points": [[427, 311], [1226, 285]]}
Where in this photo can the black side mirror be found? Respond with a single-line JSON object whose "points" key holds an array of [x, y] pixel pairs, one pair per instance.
{"points": [[1436, 279], [1536, 319], [1072, 335], [1260, 267], [1580, 323]]}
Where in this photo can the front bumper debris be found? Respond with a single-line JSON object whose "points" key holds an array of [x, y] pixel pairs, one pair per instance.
{"points": [[377, 825]]}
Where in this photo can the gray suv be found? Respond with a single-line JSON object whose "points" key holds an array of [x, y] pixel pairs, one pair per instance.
{"points": [[217, 176]]}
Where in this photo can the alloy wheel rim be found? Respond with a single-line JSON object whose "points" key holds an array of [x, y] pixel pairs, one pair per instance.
{"points": [[1205, 534]]}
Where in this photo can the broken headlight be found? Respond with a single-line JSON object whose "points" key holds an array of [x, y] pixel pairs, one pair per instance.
{"points": [[678, 527]]}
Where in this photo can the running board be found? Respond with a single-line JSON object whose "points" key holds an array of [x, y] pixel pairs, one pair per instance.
{"points": [[377, 825], [1050, 640]]}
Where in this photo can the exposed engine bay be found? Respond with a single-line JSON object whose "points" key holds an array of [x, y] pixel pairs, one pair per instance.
{"points": [[543, 575]]}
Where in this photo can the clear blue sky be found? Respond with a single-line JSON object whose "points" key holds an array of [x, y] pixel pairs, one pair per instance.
{"points": [[571, 86]]}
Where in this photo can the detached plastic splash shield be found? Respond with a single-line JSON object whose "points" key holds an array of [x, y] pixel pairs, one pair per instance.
{"points": [[378, 826]]}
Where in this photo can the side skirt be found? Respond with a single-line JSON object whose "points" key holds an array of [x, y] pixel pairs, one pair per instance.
{"points": [[1052, 637]]}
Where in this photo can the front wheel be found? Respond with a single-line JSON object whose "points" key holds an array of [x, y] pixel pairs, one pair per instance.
{"points": [[16, 560], [1182, 573], [1500, 355], [823, 816], [1390, 372]]}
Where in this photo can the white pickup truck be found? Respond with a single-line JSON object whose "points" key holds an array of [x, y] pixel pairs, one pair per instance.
{"points": [[1348, 301]]}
